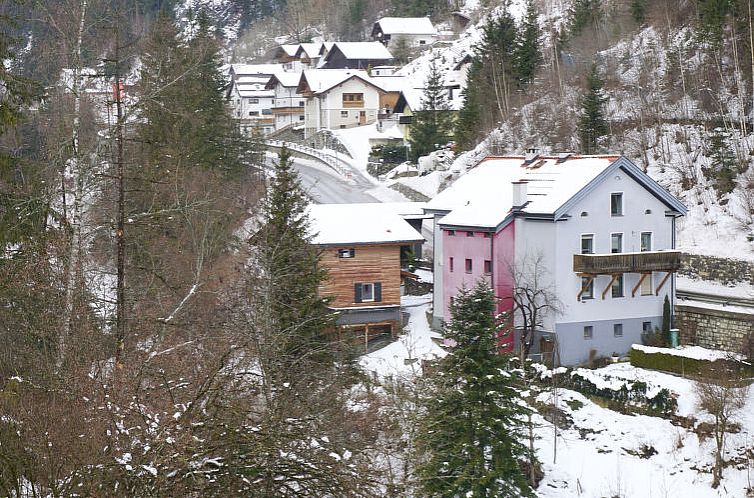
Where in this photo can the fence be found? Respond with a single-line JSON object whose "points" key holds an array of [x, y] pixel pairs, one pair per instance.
{"points": [[327, 158]]}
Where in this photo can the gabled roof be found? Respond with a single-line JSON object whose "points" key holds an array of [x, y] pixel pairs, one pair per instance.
{"points": [[390, 83], [287, 49], [361, 50], [310, 50], [240, 70], [405, 26], [483, 196], [320, 81], [286, 79], [368, 223]]}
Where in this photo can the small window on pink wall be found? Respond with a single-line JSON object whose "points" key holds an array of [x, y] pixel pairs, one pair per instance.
{"points": [[451, 233], [469, 234], [450, 264], [469, 266], [487, 266]]}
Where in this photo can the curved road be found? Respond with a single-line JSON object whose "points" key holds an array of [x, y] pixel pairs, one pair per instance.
{"points": [[327, 187]]}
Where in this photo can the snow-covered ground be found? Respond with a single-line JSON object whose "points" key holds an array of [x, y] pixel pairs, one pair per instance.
{"points": [[404, 356], [605, 453]]}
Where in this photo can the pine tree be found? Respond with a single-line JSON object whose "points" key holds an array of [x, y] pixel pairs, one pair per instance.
{"points": [[582, 15], [291, 274], [527, 56], [722, 170], [592, 123], [467, 127], [432, 124], [473, 419]]}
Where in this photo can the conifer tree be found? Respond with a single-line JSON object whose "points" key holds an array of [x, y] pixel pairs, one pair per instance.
{"points": [[290, 273], [527, 56], [472, 424], [581, 15], [592, 123], [432, 124]]}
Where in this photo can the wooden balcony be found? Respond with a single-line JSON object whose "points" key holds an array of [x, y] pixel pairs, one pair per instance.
{"points": [[626, 262]]}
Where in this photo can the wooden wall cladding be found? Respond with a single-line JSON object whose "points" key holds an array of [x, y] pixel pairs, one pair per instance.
{"points": [[371, 263]]}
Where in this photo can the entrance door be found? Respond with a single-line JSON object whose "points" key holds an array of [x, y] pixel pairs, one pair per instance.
{"points": [[362, 118]]}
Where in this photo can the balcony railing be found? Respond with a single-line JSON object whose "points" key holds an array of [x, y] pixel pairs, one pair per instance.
{"points": [[627, 262]]}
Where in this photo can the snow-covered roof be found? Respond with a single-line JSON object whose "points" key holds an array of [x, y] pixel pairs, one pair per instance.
{"points": [[322, 80], [483, 197], [363, 50], [286, 79], [289, 49], [390, 83], [240, 70], [310, 50], [368, 223], [406, 26]]}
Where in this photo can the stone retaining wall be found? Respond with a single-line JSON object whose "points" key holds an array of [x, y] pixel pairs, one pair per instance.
{"points": [[713, 328], [723, 270]]}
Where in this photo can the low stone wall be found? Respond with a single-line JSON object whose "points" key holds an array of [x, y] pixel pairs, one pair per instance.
{"points": [[723, 270], [713, 328]]}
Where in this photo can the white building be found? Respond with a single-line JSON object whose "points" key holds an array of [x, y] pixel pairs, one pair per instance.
{"points": [[595, 231], [250, 101], [414, 31], [288, 107], [338, 98]]}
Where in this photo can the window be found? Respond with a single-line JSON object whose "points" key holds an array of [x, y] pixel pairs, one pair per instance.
{"points": [[617, 288], [451, 233], [616, 243], [487, 235], [469, 234], [588, 331], [253, 113], [616, 204], [587, 244], [301, 118], [646, 241], [450, 264], [646, 327], [342, 127], [587, 286], [346, 253], [487, 266], [469, 266], [253, 101], [266, 112], [646, 285], [355, 98], [617, 330], [422, 42], [343, 114], [301, 103], [367, 292]]}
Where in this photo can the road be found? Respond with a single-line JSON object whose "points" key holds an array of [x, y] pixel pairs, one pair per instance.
{"points": [[330, 188]]}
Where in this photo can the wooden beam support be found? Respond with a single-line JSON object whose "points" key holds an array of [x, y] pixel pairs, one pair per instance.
{"points": [[664, 279], [636, 287], [585, 286], [613, 279]]}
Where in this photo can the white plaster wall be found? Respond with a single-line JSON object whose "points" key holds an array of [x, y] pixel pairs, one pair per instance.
{"points": [[636, 200], [537, 251]]}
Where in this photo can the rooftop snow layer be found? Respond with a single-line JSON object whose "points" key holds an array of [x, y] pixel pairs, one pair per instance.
{"points": [[483, 196], [287, 79], [321, 80], [364, 50], [368, 223], [407, 26]]}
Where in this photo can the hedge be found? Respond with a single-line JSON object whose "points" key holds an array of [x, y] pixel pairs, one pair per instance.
{"points": [[687, 366]]}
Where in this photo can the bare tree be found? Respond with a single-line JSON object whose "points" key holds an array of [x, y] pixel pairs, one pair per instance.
{"points": [[534, 297], [722, 397]]}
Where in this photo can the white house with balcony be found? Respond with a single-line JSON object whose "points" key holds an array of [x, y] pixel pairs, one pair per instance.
{"points": [[249, 100], [338, 98], [595, 233], [288, 106]]}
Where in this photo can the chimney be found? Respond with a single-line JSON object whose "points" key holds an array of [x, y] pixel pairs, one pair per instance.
{"points": [[519, 194]]}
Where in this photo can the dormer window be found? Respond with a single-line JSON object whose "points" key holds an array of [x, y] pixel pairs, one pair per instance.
{"points": [[616, 204]]}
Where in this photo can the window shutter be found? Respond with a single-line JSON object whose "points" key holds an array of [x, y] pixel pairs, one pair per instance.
{"points": [[357, 293], [377, 291]]}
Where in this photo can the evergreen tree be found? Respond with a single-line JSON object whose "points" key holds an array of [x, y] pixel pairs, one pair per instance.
{"points": [[473, 422], [467, 126], [291, 275], [592, 123], [432, 124], [582, 15], [527, 56], [722, 170]]}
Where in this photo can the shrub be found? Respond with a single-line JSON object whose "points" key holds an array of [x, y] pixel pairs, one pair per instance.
{"points": [[686, 366]]}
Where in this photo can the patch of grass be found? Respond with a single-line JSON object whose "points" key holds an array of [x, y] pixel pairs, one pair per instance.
{"points": [[574, 404]]}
